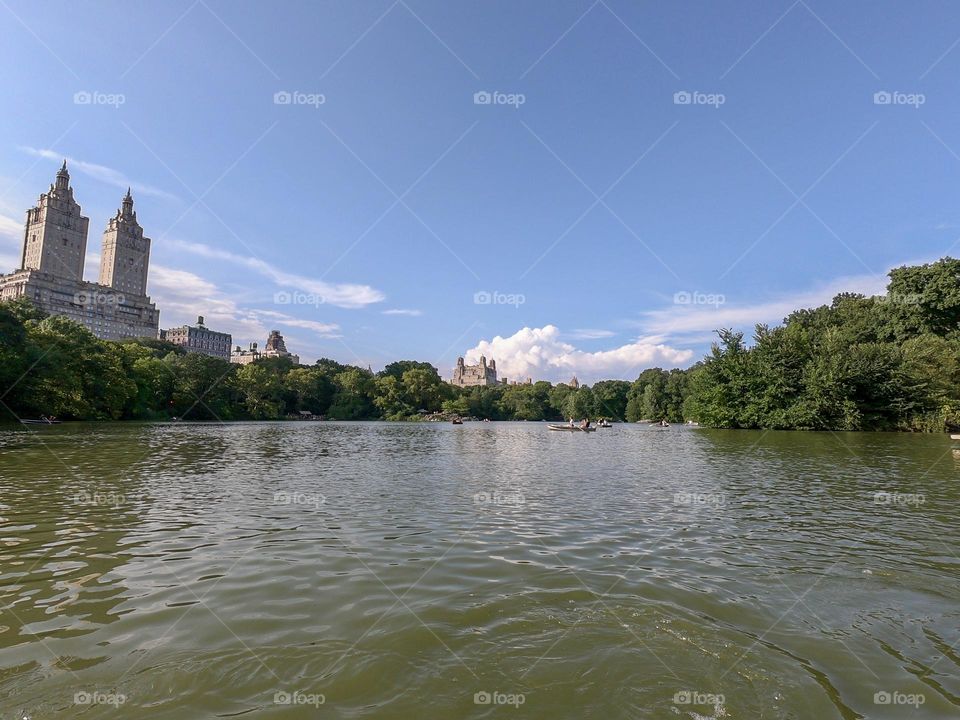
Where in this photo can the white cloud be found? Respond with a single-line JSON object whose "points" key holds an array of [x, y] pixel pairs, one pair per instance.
{"points": [[11, 230], [539, 353], [693, 319], [182, 296], [99, 172], [400, 311], [591, 334], [329, 330], [345, 295]]}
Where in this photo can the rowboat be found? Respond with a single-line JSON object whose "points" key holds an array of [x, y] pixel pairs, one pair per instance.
{"points": [[575, 428], [41, 421], [955, 437]]}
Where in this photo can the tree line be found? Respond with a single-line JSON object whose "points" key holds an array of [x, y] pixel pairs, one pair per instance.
{"points": [[861, 363]]}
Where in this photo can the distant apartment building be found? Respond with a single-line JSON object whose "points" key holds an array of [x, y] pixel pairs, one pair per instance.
{"points": [[475, 375], [200, 339], [275, 347], [51, 267]]}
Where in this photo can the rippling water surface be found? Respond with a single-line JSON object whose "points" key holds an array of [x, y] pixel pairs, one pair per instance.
{"points": [[488, 570]]}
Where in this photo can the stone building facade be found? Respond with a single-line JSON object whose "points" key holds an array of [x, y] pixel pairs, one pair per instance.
{"points": [[475, 375], [200, 339], [51, 267], [275, 347]]}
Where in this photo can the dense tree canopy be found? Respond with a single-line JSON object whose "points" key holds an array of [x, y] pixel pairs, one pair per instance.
{"points": [[861, 363]]}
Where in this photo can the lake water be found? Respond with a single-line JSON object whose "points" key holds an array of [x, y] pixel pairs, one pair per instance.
{"points": [[490, 570]]}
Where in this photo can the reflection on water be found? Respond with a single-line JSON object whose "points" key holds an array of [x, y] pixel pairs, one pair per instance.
{"points": [[407, 571]]}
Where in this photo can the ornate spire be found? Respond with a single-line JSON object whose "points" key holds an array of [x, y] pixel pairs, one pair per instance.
{"points": [[127, 210], [63, 177]]}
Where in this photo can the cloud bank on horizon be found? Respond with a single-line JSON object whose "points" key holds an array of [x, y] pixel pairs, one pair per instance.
{"points": [[540, 353]]}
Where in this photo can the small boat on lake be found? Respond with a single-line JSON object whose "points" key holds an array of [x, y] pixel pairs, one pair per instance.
{"points": [[457, 421], [604, 423], [955, 437], [571, 428], [44, 420]]}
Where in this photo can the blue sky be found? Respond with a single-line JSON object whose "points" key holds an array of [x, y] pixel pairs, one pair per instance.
{"points": [[585, 220]]}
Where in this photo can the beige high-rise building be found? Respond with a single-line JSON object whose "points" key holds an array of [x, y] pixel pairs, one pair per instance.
{"points": [[276, 348], [126, 252], [55, 238], [51, 267]]}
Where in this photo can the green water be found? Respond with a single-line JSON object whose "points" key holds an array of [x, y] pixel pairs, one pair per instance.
{"points": [[343, 570]]}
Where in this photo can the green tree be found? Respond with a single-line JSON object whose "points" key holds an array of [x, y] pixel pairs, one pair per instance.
{"points": [[261, 391], [611, 398], [353, 399], [312, 389]]}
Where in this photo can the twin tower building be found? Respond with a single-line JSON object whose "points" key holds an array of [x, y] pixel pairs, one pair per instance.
{"points": [[51, 267]]}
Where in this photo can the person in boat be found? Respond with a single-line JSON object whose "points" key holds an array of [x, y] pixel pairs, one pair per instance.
{"points": [[571, 423], [585, 424]]}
